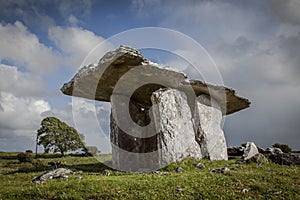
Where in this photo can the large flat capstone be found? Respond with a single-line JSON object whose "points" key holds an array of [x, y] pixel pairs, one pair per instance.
{"points": [[126, 72]]}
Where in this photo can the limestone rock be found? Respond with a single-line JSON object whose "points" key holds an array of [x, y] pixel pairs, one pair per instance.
{"points": [[179, 169], [125, 72], [139, 78], [259, 159], [209, 134], [227, 99], [57, 173], [273, 151], [134, 146], [250, 150], [235, 151], [173, 120], [285, 158], [220, 170], [200, 165]]}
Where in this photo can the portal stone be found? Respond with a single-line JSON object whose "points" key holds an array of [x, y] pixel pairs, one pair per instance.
{"points": [[173, 120], [209, 135], [133, 137]]}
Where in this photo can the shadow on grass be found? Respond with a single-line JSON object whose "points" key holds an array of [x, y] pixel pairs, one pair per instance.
{"points": [[90, 167]]}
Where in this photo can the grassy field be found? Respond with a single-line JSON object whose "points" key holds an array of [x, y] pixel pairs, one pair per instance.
{"points": [[244, 181]]}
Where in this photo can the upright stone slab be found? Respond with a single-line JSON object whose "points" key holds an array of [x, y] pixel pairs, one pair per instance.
{"points": [[133, 137], [173, 120], [209, 135]]}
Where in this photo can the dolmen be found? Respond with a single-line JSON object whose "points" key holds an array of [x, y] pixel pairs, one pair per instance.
{"points": [[158, 116]]}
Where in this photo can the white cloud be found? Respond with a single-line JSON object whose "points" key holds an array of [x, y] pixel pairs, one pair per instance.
{"points": [[23, 48], [20, 83], [76, 43], [21, 113]]}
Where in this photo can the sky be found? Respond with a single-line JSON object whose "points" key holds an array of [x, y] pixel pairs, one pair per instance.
{"points": [[255, 45]]}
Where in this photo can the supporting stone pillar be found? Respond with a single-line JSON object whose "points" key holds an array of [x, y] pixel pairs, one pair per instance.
{"points": [[209, 135], [173, 120], [134, 144]]}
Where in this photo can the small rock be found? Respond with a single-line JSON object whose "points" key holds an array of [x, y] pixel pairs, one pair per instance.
{"points": [[179, 189], [250, 150], [200, 165], [79, 177], [220, 170], [259, 159], [278, 193], [159, 172], [245, 191], [179, 169], [273, 151], [235, 151], [106, 173]]}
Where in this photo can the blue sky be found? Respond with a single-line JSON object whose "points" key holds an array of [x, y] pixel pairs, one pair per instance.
{"points": [[255, 45]]}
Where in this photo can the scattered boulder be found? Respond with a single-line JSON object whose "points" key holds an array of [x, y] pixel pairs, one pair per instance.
{"points": [[56, 173], [106, 173], [273, 151], [259, 159], [220, 170], [250, 150], [179, 169], [285, 158], [244, 191], [200, 165], [160, 173], [235, 151]]}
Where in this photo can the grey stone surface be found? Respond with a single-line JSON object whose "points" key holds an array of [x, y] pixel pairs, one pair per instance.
{"points": [[134, 144], [127, 65], [173, 120], [259, 159], [56, 173], [220, 170], [250, 150], [273, 150], [209, 134], [200, 165]]}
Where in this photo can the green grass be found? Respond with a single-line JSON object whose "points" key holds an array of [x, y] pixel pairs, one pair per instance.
{"points": [[263, 182]]}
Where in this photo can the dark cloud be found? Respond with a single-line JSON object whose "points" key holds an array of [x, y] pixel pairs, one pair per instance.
{"points": [[287, 10]]}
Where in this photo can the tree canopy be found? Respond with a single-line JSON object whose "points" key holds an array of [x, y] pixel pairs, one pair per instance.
{"points": [[57, 136]]}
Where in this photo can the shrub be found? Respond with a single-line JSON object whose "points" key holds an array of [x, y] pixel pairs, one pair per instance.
{"points": [[285, 148], [25, 157], [29, 151]]}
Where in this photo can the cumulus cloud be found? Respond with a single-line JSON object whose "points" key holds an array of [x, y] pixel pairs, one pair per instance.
{"points": [[20, 101], [21, 113], [23, 48], [76, 43], [20, 83]]}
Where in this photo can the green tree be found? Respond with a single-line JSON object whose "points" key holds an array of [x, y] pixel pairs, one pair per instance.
{"points": [[57, 136], [284, 147]]}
